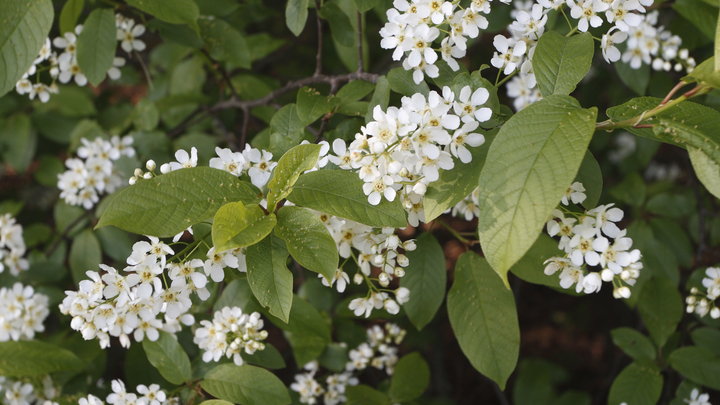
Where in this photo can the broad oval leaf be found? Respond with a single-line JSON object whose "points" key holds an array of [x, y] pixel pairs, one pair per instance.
{"points": [[286, 130], [661, 308], [483, 316], [35, 358], [96, 45], [69, 15], [708, 338], [312, 105], [270, 280], [225, 43], [339, 193], [308, 240], [169, 358], [637, 384], [269, 357], [85, 254], [290, 166], [296, 15], [401, 81], [410, 378], [25, 25], [245, 385], [634, 343], [169, 203], [698, 364], [340, 26], [529, 166], [561, 62], [365, 395], [426, 278], [706, 169], [172, 11], [236, 225]]}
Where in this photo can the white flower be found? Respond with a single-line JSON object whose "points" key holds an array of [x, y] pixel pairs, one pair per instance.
{"points": [[463, 137], [128, 34], [607, 44], [576, 193], [510, 53]]}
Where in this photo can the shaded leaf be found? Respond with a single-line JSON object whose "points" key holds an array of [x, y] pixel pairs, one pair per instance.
{"points": [[169, 358], [245, 385], [34, 358], [561, 62], [637, 384], [426, 278], [270, 280], [411, 376], [96, 45], [172, 11]]}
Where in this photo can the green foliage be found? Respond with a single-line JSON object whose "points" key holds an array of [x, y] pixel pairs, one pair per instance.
{"points": [[426, 277], [698, 364], [96, 45], [85, 254], [69, 15], [483, 316], [236, 226], [172, 11], [296, 15], [410, 378], [307, 331], [707, 170], [269, 277], [286, 130], [245, 385], [290, 166], [381, 97], [661, 307], [169, 358], [312, 105], [225, 43], [637, 384], [521, 184], [340, 26], [703, 16], [35, 358], [401, 81], [17, 142], [634, 344], [365, 395], [167, 204], [561, 62]]}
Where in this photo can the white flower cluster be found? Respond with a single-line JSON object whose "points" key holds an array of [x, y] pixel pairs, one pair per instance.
{"points": [[151, 395], [696, 398], [403, 149], [413, 26], [22, 312], [230, 333], [118, 305], [12, 246], [64, 67], [592, 238], [378, 352], [702, 303], [23, 393], [93, 172]]}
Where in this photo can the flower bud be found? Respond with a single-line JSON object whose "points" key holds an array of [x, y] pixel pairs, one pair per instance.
{"points": [[358, 279], [399, 272], [715, 313], [384, 279], [132, 180], [607, 275], [165, 168], [147, 176], [694, 290], [391, 306], [150, 165], [138, 172]]}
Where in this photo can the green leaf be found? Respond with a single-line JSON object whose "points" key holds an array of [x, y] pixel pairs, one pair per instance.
{"points": [[308, 241], [636, 79], [365, 5], [225, 43], [534, 158], [335, 356], [634, 344], [365, 395], [561, 62], [426, 278], [286, 130], [296, 15], [236, 294], [18, 142], [483, 316], [339, 193], [237, 225], [702, 15], [692, 126], [340, 27], [215, 402], [698, 364], [169, 358], [535, 381], [637, 384], [707, 170], [661, 308], [401, 81], [69, 15], [354, 91], [290, 166], [172, 11], [245, 385], [35, 358], [454, 185], [270, 280], [631, 190], [85, 254], [269, 357], [96, 45], [708, 338], [146, 115], [312, 105], [380, 97], [704, 73], [169, 203], [590, 176], [410, 378], [25, 26]]}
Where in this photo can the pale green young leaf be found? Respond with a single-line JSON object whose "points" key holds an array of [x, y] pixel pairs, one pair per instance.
{"points": [[270, 280], [697, 364], [35, 358], [237, 225], [483, 316], [290, 166], [708, 338], [85, 254], [286, 130], [24, 26], [296, 15], [456, 184], [308, 240], [410, 378], [634, 344], [339, 193], [312, 105], [146, 115], [530, 164], [426, 278], [96, 45], [365, 5], [707, 170], [340, 27], [704, 73], [401, 81], [661, 308], [365, 395], [639, 384], [169, 358], [224, 42], [172, 11], [561, 62], [69, 15], [381, 97], [245, 385], [170, 203]]}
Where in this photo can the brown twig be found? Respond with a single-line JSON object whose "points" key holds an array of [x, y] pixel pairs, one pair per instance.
{"points": [[318, 57], [672, 92]]}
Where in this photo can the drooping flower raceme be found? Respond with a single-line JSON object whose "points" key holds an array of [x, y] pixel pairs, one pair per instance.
{"points": [[230, 333], [12, 246], [23, 393], [703, 302], [22, 312]]}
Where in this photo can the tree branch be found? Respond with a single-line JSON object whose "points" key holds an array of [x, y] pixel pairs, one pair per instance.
{"points": [[66, 231]]}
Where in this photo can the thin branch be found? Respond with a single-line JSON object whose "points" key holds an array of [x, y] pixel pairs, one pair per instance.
{"points": [[318, 58], [189, 121], [672, 92], [224, 73], [66, 231], [360, 49]]}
